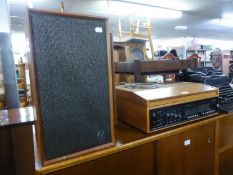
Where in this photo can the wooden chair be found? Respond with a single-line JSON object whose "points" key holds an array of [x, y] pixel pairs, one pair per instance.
{"points": [[137, 33]]}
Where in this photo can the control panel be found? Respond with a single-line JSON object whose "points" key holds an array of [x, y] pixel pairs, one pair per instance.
{"points": [[171, 115]]}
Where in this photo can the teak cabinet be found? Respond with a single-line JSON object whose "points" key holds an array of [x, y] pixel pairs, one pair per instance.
{"points": [[138, 160], [199, 148], [167, 156], [187, 153], [225, 148]]}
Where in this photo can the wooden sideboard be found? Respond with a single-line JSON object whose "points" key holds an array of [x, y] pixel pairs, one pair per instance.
{"points": [[210, 151], [199, 148], [225, 145]]}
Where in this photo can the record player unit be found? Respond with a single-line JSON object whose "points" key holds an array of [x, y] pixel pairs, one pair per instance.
{"points": [[151, 108]]}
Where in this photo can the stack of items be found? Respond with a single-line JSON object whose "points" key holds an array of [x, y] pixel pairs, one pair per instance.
{"points": [[212, 77]]}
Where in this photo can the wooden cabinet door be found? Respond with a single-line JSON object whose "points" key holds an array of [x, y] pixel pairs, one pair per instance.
{"points": [[226, 145], [6, 152], [226, 162], [134, 161], [187, 153]]}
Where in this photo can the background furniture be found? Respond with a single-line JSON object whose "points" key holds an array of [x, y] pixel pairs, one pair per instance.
{"points": [[169, 78], [201, 53], [216, 56], [133, 48], [230, 70], [138, 31], [221, 60], [139, 68], [22, 84], [16, 138]]}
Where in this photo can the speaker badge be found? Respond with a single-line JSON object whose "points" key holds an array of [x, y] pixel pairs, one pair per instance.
{"points": [[98, 30]]}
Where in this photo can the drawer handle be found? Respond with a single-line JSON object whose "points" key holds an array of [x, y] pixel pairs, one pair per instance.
{"points": [[210, 140]]}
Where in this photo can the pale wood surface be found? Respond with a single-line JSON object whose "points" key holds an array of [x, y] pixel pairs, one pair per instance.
{"points": [[170, 91]]}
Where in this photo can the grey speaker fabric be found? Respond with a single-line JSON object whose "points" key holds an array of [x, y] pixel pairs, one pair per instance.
{"points": [[72, 76]]}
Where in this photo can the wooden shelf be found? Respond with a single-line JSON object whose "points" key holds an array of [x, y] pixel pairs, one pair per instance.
{"points": [[196, 50], [138, 68]]}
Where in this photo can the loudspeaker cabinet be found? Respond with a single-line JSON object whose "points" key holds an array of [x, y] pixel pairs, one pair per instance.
{"points": [[71, 81]]}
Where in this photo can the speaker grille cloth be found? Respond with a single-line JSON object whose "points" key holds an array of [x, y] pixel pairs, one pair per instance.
{"points": [[72, 76]]}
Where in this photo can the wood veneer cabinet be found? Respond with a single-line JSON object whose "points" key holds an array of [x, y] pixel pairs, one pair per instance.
{"points": [[225, 148], [135, 152], [161, 153], [226, 162], [6, 153], [16, 142], [135, 161], [226, 131], [187, 153]]}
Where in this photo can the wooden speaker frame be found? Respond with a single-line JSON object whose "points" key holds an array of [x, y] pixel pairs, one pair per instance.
{"points": [[35, 92]]}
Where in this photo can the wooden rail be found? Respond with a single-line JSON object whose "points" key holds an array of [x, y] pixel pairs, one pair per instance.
{"points": [[138, 68]]}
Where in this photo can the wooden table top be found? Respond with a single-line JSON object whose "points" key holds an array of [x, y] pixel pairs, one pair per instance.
{"points": [[16, 117], [169, 91]]}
